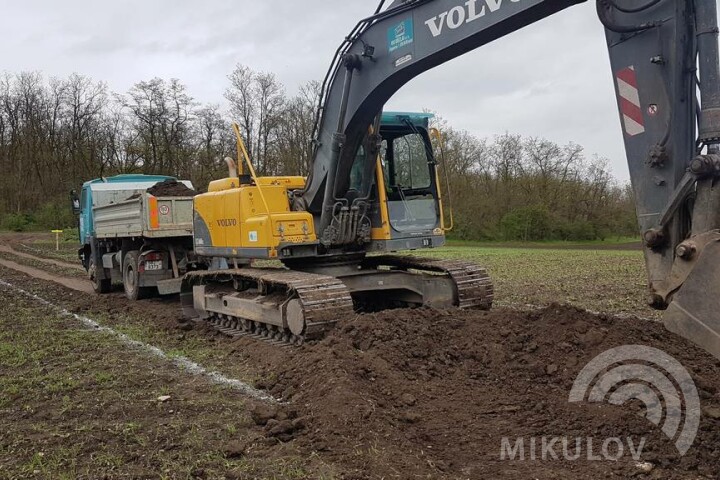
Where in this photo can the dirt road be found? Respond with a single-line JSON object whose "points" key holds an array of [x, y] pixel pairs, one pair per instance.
{"points": [[424, 393], [74, 283], [50, 261]]}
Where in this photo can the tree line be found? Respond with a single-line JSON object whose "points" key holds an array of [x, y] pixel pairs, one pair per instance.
{"points": [[57, 133], [528, 189]]}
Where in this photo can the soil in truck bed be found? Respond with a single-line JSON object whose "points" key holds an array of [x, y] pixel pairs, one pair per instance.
{"points": [[171, 188]]}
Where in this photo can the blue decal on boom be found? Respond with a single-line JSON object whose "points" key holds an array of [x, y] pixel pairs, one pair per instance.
{"points": [[400, 35]]}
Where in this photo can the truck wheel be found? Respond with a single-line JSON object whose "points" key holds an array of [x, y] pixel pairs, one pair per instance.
{"points": [[99, 285], [131, 277]]}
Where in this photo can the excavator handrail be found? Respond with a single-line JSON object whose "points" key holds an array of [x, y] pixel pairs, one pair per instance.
{"points": [[435, 132]]}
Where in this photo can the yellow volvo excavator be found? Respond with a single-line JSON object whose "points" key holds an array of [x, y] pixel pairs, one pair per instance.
{"points": [[373, 188], [393, 203]]}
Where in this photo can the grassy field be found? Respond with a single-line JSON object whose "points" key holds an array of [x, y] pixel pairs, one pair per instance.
{"points": [[604, 276], [46, 248], [612, 242], [606, 280], [77, 404]]}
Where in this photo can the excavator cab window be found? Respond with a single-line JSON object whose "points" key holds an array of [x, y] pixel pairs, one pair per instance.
{"points": [[411, 163], [83, 200], [408, 169]]}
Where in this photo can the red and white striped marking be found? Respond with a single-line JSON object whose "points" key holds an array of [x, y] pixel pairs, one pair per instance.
{"points": [[629, 98]]}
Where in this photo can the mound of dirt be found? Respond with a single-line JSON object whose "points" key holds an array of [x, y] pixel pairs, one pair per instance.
{"points": [[432, 394], [171, 188]]}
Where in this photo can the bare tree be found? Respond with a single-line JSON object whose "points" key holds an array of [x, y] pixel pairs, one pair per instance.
{"points": [[257, 103], [215, 142], [295, 127], [58, 133], [241, 96], [162, 112]]}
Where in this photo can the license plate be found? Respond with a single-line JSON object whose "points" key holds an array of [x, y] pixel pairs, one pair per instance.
{"points": [[154, 265]]}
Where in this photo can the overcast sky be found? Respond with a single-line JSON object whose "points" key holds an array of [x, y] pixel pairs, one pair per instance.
{"points": [[551, 79]]}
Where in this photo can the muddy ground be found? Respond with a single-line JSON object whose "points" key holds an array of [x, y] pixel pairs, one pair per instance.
{"points": [[409, 393]]}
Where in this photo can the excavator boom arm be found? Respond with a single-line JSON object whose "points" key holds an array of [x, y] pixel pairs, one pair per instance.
{"points": [[664, 58], [388, 50]]}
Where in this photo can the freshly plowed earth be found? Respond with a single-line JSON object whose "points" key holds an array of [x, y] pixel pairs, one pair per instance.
{"points": [[431, 394]]}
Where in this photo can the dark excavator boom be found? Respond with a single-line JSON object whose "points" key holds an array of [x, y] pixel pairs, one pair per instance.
{"points": [[663, 53], [385, 52]]}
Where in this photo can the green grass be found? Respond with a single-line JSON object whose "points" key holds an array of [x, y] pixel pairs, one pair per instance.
{"points": [[75, 403], [611, 281], [607, 243], [46, 248]]}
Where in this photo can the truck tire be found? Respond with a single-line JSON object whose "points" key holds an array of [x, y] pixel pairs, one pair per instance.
{"points": [[100, 285], [131, 277]]}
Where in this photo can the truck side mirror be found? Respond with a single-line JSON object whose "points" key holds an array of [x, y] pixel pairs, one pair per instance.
{"points": [[75, 202]]}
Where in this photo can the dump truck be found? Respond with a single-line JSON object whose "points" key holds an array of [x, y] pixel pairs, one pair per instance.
{"points": [[136, 230]]}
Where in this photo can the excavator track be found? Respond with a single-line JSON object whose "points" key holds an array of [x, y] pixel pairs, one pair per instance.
{"points": [[473, 284], [319, 300]]}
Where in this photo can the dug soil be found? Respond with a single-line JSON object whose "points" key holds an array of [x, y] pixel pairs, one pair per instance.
{"points": [[432, 394], [171, 188]]}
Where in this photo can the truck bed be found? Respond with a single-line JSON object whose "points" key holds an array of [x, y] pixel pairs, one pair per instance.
{"points": [[145, 216]]}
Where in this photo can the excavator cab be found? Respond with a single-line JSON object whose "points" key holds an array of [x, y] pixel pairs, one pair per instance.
{"points": [[406, 186], [409, 174]]}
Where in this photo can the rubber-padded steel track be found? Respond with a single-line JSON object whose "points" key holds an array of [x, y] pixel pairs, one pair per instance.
{"points": [[324, 300], [473, 284]]}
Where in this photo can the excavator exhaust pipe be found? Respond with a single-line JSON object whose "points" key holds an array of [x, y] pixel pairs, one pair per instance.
{"points": [[232, 167]]}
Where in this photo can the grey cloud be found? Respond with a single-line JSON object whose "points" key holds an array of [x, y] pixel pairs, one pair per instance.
{"points": [[550, 79]]}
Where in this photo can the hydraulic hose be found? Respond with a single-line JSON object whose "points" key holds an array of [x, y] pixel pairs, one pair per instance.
{"points": [[603, 10], [617, 7]]}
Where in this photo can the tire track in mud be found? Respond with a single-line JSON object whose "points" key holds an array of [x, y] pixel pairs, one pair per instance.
{"points": [[85, 286], [58, 263], [77, 284]]}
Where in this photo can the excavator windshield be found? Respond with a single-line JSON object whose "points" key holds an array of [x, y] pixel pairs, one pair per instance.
{"points": [[409, 173]]}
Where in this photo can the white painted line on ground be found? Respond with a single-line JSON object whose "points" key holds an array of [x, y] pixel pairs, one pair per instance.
{"points": [[179, 361]]}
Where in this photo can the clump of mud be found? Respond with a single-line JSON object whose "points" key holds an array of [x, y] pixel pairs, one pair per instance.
{"points": [[171, 188]]}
